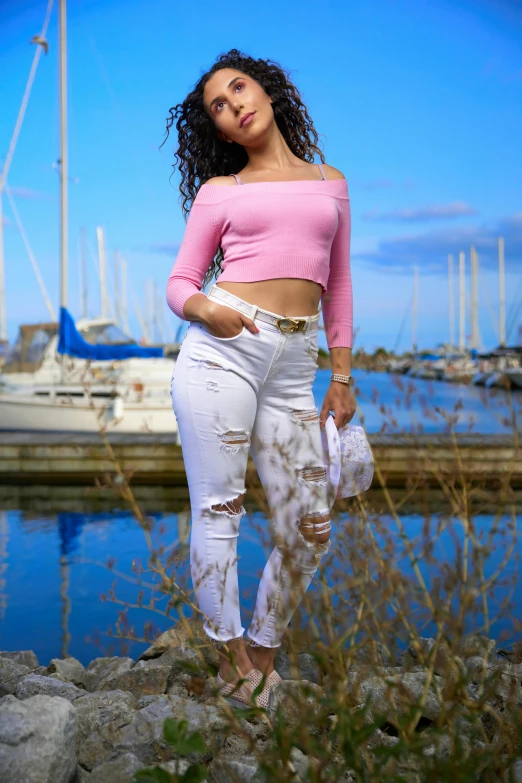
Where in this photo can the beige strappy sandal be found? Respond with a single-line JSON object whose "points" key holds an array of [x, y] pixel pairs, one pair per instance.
{"points": [[242, 695]]}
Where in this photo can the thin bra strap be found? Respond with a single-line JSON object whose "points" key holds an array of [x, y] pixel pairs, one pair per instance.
{"points": [[237, 179], [321, 170]]}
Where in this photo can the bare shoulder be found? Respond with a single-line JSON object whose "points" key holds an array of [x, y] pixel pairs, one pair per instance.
{"points": [[222, 181], [333, 173]]}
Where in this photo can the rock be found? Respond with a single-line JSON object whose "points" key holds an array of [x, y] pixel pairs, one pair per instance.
{"points": [[420, 649], [102, 668], [508, 688], [373, 653], [95, 710], [241, 770], [171, 766], [476, 668], [185, 659], [478, 645], [35, 684], [394, 696], [236, 746], [147, 678], [143, 736], [24, 657], [303, 666], [82, 776], [11, 673], [440, 747], [37, 741], [513, 653], [165, 642], [146, 700], [68, 670], [208, 720], [293, 698], [357, 676], [182, 686], [170, 640], [514, 669], [119, 770], [514, 773], [380, 739], [301, 762], [9, 699]]}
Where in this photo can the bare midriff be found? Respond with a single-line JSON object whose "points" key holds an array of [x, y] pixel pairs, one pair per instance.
{"points": [[283, 295]]}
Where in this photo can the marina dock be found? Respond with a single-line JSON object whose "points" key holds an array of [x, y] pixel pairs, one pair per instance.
{"points": [[61, 458]]}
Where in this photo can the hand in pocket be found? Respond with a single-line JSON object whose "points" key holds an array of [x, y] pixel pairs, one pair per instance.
{"points": [[224, 322]]}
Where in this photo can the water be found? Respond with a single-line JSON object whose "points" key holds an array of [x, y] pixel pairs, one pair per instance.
{"points": [[55, 544], [54, 571], [395, 403]]}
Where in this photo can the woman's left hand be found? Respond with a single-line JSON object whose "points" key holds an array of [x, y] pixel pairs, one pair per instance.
{"points": [[340, 399]]}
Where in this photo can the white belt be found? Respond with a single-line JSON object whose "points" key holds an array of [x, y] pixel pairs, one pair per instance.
{"points": [[283, 323]]}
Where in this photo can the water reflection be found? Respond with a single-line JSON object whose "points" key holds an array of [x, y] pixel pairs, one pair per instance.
{"points": [[55, 567]]}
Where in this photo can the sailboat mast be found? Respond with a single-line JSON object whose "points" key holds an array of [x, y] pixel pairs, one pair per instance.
{"points": [[117, 300], [502, 293], [102, 260], [83, 273], [415, 308], [63, 154], [462, 301], [451, 302], [3, 318], [474, 298], [124, 319]]}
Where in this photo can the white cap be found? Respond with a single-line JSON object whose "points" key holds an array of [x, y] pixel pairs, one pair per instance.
{"points": [[349, 459]]}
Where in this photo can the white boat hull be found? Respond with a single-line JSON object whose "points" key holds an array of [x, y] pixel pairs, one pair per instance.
{"points": [[29, 414], [515, 377], [481, 378]]}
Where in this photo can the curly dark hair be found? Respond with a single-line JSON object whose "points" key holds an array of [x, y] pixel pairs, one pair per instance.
{"points": [[201, 154]]}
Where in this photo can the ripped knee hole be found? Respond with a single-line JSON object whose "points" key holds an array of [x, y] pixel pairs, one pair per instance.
{"points": [[315, 474], [234, 440], [315, 528], [230, 507]]}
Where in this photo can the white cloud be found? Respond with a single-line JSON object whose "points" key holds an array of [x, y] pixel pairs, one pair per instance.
{"points": [[430, 250]]}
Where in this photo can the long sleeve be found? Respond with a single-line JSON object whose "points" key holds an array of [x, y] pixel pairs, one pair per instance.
{"points": [[197, 251], [337, 299]]}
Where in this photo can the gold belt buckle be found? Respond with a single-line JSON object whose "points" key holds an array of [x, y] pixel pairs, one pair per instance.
{"points": [[289, 324]]}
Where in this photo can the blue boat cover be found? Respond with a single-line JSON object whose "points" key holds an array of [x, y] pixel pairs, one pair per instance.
{"points": [[72, 343]]}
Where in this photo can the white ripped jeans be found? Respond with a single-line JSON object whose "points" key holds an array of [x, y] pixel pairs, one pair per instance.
{"points": [[231, 395]]}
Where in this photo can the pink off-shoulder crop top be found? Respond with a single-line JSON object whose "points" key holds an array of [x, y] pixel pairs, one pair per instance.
{"points": [[267, 230]]}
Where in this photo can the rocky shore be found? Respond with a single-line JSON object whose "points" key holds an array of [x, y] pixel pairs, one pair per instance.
{"points": [[64, 723]]}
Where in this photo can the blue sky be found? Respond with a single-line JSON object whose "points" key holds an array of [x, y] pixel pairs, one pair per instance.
{"points": [[418, 103]]}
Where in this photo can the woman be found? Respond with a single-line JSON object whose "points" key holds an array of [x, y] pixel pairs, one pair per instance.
{"points": [[280, 226]]}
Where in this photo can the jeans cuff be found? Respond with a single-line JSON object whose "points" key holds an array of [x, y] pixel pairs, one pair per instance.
{"points": [[219, 643], [251, 643]]}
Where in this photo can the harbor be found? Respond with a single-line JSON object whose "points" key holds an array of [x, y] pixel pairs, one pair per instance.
{"points": [[56, 459], [402, 657]]}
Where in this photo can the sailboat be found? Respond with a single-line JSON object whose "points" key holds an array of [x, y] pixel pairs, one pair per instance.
{"points": [[34, 360], [99, 396], [75, 384]]}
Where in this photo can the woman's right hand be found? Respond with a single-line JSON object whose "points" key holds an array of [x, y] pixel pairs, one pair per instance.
{"points": [[222, 321]]}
